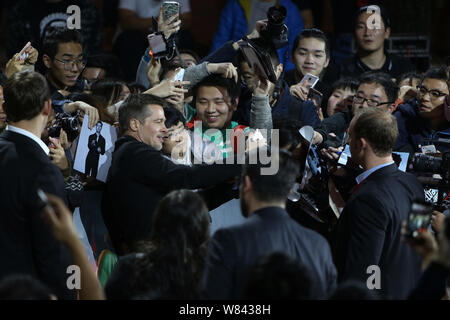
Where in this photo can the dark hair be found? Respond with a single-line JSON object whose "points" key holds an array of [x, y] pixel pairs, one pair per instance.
{"points": [[136, 87], [345, 83], [233, 88], [312, 33], [288, 130], [134, 106], [409, 75], [273, 187], [25, 94], [57, 36], [174, 257], [23, 287], [354, 290], [261, 44], [379, 127], [106, 61], [383, 13], [437, 73], [278, 277], [106, 90], [382, 79], [168, 66], [192, 53], [173, 117]]}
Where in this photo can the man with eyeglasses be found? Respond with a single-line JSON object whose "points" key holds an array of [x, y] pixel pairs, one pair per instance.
{"points": [[376, 90], [424, 117], [62, 55]]}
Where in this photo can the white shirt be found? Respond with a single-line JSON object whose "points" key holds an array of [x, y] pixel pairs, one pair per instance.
{"points": [[29, 135], [145, 9]]}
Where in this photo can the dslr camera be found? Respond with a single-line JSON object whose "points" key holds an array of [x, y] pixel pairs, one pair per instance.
{"points": [[69, 123]]}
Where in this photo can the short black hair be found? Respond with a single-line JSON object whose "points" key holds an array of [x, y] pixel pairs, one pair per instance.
{"points": [[383, 13], [25, 94], [382, 79], [437, 73], [233, 88], [136, 87], [275, 187], [409, 75], [345, 83], [134, 106], [58, 36], [106, 61], [23, 287], [192, 53], [312, 33], [280, 277], [173, 117], [288, 130]]}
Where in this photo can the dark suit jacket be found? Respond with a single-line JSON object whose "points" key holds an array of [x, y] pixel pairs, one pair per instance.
{"points": [[138, 178], [27, 245], [233, 251], [93, 146], [368, 232]]}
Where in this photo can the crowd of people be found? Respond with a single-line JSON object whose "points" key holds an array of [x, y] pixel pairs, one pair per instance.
{"points": [[195, 133]]}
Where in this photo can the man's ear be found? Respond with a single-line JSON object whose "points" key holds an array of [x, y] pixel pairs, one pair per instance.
{"points": [[279, 70], [235, 104], [134, 125], [247, 184], [47, 61], [387, 33], [362, 143], [47, 109], [327, 62]]}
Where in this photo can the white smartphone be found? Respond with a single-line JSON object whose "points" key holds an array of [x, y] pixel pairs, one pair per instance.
{"points": [[309, 80], [179, 76], [169, 9]]}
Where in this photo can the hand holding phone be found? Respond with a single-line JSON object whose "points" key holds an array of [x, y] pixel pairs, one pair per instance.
{"points": [[169, 9], [419, 219], [23, 54], [309, 81]]}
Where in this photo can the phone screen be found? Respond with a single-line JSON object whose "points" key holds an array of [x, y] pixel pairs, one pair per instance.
{"points": [[309, 80], [419, 219], [170, 8]]}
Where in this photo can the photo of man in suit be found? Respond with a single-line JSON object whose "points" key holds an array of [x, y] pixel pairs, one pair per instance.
{"points": [[96, 147]]}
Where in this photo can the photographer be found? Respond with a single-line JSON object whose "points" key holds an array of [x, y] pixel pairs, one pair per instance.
{"points": [[425, 117]]}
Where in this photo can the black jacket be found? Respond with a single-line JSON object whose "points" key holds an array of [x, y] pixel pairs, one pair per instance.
{"points": [[352, 66], [234, 250], [138, 178], [368, 232], [338, 124], [27, 244]]}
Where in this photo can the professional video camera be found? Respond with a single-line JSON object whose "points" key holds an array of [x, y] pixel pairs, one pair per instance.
{"points": [[423, 163]]}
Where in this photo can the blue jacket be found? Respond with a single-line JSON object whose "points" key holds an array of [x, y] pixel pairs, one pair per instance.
{"points": [[233, 26], [413, 129]]}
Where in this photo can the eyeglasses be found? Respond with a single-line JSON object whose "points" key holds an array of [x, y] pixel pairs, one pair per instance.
{"points": [[68, 64], [434, 94], [370, 102]]}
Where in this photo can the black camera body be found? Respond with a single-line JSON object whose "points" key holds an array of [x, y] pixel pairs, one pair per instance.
{"points": [[69, 123], [276, 33], [426, 163]]}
